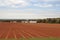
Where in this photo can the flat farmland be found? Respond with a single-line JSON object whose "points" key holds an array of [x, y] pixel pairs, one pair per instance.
{"points": [[22, 30]]}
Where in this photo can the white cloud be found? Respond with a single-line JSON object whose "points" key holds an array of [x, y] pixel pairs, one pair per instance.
{"points": [[44, 0], [57, 5], [43, 5], [48, 0], [25, 14], [13, 3], [19, 3], [17, 15], [24, 3]]}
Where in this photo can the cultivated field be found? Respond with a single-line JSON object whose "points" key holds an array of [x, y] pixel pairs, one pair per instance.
{"points": [[22, 30]]}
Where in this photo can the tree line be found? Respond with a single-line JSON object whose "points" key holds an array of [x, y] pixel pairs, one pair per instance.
{"points": [[49, 20]]}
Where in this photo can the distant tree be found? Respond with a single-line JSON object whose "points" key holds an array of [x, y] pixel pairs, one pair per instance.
{"points": [[48, 20], [53, 20], [57, 20], [39, 21], [44, 21]]}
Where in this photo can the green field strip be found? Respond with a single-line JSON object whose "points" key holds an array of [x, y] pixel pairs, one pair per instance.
{"points": [[51, 38]]}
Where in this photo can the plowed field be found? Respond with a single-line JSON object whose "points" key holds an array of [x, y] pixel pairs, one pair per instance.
{"points": [[22, 30]]}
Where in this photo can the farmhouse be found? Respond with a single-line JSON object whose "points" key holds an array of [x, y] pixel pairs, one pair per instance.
{"points": [[28, 21], [32, 21]]}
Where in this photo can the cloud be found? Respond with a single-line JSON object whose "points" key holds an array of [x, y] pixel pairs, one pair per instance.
{"points": [[20, 14], [13, 3], [26, 3], [57, 5], [17, 15], [43, 5], [44, 0], [52, 0]]}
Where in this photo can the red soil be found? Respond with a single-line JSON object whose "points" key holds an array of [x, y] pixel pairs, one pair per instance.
{"points": [[21, 30]]}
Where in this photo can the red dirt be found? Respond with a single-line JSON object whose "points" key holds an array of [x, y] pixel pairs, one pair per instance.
{"points": [[21, 30]]}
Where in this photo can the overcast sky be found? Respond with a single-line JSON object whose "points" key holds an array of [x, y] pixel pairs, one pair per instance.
{"points": [[29, 9]]}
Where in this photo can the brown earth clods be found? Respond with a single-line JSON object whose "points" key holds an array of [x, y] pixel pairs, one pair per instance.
{"points": [[22, 30]]}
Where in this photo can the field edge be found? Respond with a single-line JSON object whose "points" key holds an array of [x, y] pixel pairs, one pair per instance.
{"points": [[48, 38]]}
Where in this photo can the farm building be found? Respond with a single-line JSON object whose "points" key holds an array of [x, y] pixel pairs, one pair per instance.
{"points": [[32, 21]]}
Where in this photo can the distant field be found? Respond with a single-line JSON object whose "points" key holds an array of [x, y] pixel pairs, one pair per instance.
{"points": [[21, 30]]}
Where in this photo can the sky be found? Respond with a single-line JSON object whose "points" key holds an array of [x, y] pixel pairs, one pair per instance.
{"points": [[29, 9]]}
